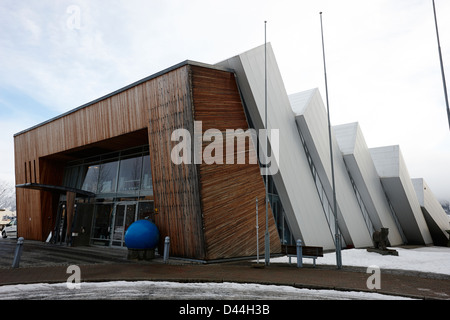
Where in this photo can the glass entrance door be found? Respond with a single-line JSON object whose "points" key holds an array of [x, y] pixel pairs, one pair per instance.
{"points": [[124, 216], [111, 220], [101, 231]]}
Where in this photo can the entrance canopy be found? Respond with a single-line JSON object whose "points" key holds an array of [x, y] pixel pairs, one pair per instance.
{"points": [[55, 189]]}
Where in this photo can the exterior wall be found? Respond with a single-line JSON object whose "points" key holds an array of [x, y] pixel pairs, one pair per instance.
{"points": [[397, 183], [175, 187], [228, 192], [360, 165], [312, 122], [293, 181], [51, 173], [434, 214], [207, 210], [119, 114]]}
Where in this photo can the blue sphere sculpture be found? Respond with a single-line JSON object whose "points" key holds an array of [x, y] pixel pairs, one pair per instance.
{"points": [[142, 234]]}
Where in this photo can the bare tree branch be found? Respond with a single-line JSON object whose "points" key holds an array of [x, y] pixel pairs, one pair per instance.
{"points": [[7, 196]]}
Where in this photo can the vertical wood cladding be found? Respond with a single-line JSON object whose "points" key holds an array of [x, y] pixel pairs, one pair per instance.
{"points": [[119, 114], [175, 187], [228, 192]]}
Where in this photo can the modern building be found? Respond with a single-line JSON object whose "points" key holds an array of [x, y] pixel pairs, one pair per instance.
{"points": [[396, 181], [295, 188], [366, 182], [435, 216], [167, 148], [112, 158], [311, 119]]}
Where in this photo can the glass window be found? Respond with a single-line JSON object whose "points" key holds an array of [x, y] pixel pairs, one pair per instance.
{"points": [[107, 177], [146, 181], [130, 174], [118, 225], [118, 174], [146, 211], [124, 217], [278, 213], [288, 238], [102, 224], [91, 180]]}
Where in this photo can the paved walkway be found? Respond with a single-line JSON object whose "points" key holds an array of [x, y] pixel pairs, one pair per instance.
{"points": [[42, 262]]}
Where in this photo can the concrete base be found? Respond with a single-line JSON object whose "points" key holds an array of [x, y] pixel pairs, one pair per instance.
{"points": [[141, 254], [384, 252]]}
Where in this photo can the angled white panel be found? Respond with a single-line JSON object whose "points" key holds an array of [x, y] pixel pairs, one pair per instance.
{"points": [[362, 169], [396, 181], [312, 122], [293, 181], [434, 214]]}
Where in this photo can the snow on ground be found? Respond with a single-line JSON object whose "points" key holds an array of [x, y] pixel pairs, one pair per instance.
{"points": [[422, 259], [151, 290]]}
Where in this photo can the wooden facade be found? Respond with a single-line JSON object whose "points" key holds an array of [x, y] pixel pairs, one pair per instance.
{"points": [[228, 192], [208, 210], [175, 187]]}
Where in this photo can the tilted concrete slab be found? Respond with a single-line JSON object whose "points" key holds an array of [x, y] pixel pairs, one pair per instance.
{"points": [[293, 180], [312, 123], [362, 170], [398, 186], [435, 216]]}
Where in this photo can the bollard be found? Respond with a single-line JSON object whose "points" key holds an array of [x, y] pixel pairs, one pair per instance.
{"points": [[166, 249], [18, 252], [299, 254]]}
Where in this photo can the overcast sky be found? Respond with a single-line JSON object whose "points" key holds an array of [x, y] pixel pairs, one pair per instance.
{"points": [[382, 61]]}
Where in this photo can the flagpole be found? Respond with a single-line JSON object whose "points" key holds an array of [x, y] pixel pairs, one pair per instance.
{"points": [[442, 65], [257, 233], [266, 236], [336, 231]]}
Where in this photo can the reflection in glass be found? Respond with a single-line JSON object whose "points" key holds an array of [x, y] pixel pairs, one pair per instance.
{"points": [[118, 224], [130, 216], [146, 180], [284, 231], [115, 175], [91, 180], [107, 177], [102, 224], [124, 217], [130, 174], [74, 176], [146, 211]]}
